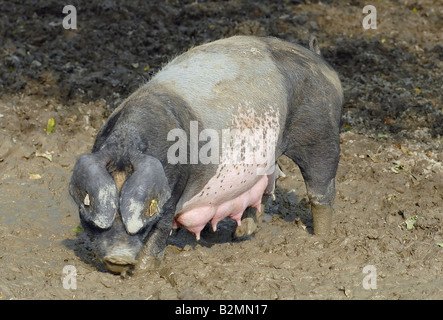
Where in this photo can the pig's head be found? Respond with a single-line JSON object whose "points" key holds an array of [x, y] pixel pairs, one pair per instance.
{"points": [[119, 209]]}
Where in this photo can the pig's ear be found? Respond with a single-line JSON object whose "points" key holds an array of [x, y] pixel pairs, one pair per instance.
{"points": [[144, 193], [94, 190]]}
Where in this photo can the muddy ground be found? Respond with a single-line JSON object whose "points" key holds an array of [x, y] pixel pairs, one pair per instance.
{"points": [[390, 169]]}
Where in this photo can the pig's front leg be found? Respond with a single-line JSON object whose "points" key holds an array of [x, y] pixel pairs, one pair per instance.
{"points": [[152, 253]]}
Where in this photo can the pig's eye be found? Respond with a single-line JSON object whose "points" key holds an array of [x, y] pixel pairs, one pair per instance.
{"points": [[86, 201], [153, 208]]}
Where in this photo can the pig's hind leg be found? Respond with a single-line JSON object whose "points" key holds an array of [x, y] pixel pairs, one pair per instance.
{"points": [[252, 217]]}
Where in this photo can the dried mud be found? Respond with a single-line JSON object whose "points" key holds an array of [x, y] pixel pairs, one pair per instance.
{"points": [[390, 169]]}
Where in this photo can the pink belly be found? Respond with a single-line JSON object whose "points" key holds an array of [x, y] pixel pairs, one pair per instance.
{"points": [[196, 218]]}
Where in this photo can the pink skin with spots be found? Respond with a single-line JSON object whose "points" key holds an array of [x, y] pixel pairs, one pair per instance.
{"points": [[196, 218], [235, 187]]}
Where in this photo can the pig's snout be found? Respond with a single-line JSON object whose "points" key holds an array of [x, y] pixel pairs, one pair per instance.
{"points": [[120, 258], [115, 249], [119, 264]]}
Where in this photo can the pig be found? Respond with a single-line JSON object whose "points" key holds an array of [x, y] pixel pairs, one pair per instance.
{"points": [[156, 162]]}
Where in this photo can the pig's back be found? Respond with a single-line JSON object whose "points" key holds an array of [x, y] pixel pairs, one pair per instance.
{"points": [[226, 80]]}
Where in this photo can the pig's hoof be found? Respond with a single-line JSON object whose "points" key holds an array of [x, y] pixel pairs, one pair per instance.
{"points": [[148, 263], [119, 264], [322, 218], [248, 227], [249, 223]]}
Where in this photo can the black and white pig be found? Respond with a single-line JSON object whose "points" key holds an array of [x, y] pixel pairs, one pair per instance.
{"points": [[177, 152]]}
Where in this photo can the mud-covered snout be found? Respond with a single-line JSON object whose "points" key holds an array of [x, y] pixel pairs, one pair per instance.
{"points": [[119, 264], [114, 247]]}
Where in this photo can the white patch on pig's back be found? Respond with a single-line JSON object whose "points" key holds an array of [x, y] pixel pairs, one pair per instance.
{"points": [[216, 78], [194, 79]]}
